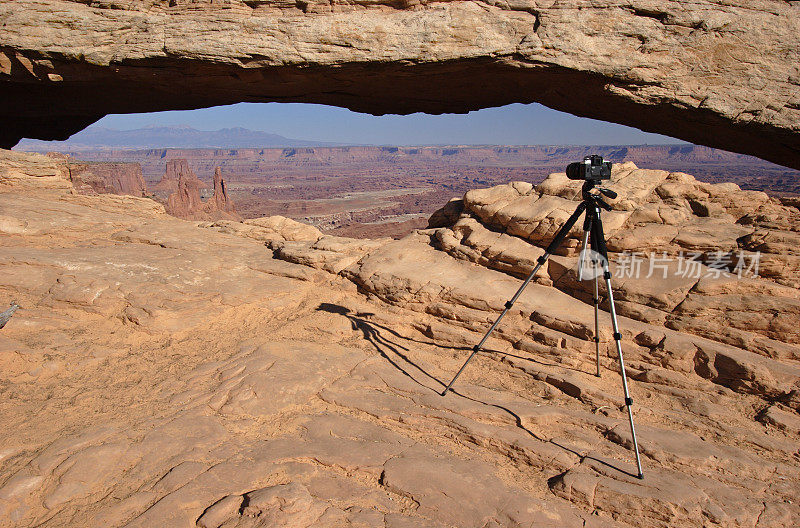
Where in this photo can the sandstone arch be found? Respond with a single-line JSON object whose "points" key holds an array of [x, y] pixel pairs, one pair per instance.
{"points": [[723, 73]]}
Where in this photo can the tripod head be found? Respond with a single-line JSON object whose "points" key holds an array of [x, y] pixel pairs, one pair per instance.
{"points": [[597, 198]]}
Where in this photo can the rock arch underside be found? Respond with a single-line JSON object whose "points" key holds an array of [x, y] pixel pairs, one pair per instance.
{"points": [[722, 73]]}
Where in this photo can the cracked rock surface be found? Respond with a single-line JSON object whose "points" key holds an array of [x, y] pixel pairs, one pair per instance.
{"points": [[162, 372]]}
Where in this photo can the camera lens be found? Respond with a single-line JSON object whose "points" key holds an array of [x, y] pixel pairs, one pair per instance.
{"points": [[575, 171]]}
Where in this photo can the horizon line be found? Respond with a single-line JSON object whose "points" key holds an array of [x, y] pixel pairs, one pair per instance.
{"points": [[389, 145]]}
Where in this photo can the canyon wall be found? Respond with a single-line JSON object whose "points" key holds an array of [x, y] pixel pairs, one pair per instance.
{"points": [[114, 178], [722, 73], [559, 155], [412, 164], [99, 177]]}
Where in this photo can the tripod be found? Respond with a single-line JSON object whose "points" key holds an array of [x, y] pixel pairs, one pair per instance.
{"points": [[593, 238]]}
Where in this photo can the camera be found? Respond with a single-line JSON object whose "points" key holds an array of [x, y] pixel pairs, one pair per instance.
{"points": [[591, 168]]}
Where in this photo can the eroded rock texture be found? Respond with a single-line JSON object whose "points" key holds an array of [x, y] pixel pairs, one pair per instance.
{"points": [[174, 171], [184, 200], [102, 178], [714, 72], [162, 372], [221, 202]]}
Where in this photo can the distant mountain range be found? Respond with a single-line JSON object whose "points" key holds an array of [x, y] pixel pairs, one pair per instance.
{"points": [[99, 138]]}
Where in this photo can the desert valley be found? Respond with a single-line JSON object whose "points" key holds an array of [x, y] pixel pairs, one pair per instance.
{"points": [[364, 191]]}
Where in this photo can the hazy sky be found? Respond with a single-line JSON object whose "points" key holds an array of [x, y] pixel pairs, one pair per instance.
{"points": [[515, 124]]}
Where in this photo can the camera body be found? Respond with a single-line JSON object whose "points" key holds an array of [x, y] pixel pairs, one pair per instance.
{"points": [[591, 168]]}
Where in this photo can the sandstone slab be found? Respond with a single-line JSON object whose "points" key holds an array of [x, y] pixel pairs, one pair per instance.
{"points": [[170, 373]]}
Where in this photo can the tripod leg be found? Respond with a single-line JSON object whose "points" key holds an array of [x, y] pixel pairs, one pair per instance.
{"points": [[584, 249], [596, 300], [628, 399], [587, 226], [587, 229], [599, 242], [541, 260], [557, 240]]}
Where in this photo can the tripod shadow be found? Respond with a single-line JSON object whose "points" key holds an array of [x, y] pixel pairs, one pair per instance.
{"points": [[535, 360], [373, 334]]}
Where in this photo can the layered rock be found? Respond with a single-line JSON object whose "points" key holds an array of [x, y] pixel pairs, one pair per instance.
{"points": [[21, 172], [713, 72], [221, 201], [705, 260], [114, 178], [301, 243], [185, 202], [259, 391], [685, 252], [174, 171]]}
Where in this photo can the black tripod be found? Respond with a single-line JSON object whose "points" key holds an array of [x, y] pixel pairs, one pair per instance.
{"points": [[593, 238]]}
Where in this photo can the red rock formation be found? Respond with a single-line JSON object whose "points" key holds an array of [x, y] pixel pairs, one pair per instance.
{"points": [[91, 177], [186, 203], [250, 165], [109, 178], [177, 169], [220, 202]]}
